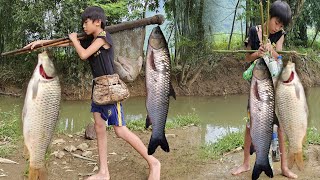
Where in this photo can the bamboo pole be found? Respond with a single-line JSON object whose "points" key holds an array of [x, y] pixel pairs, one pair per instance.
{"points": [[157, 19], [252, 51], [268, 19], [262, 22]]}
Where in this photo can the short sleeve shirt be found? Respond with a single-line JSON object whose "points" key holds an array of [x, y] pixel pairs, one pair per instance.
{"points": [[101, 62], [253, 38]]}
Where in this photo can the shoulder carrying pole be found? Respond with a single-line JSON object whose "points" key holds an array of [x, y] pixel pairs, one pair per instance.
{"points": [[157, 19]]}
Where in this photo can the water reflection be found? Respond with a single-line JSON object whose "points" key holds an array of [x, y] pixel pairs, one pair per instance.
{"points": [[218, 115]]}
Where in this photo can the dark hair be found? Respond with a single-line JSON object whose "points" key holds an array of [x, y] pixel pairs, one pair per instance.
{"points": [[281, 10], [94, 13]]}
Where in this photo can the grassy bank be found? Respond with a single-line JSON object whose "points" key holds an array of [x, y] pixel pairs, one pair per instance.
{"points": [[10, 131], [233, 141], [177, 122]]}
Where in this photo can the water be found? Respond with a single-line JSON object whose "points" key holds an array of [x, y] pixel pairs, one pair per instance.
{"points": [[218, 115]]}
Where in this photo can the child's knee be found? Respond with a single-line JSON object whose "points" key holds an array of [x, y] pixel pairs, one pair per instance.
{"points": [[119, 130]]}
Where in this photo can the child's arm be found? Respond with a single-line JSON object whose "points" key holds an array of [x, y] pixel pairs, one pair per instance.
{"points": [[94, 47], [41, 42]]}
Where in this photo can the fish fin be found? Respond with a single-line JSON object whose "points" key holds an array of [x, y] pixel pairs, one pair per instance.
{"points": [[297, 91], [290, 159], [148, 122], [252, 149], [153, 65], [172, 92], [255, 90], [26, 154], [40, 173], [155, 142], [257, 170], [299, 160], [35, 89], [276, 120], [296, 158]]}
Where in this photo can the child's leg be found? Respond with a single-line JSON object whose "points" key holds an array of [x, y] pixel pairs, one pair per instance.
{"points": [[283, 156], [154, 165], [246, 153], [100, 127]]}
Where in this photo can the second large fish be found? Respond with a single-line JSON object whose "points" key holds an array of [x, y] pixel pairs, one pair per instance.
{"points": [[159, 89], [293, 112]]}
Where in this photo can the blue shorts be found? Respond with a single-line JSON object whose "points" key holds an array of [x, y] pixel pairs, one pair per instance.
{"points": [[113, 113]]}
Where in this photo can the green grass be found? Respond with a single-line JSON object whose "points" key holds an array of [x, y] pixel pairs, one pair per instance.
{"points": [[234, 140], [10, 131], [313, 136], [177, 122], [225, 144]]}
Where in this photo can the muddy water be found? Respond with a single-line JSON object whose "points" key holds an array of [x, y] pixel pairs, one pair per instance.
{"points": [[218, 115]]}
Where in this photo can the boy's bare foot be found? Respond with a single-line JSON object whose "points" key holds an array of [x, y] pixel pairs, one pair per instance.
{"points": [[289, 174], [99, 176], [240, 169], [154, 170]]}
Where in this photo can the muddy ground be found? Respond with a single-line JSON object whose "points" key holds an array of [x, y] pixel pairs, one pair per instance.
{"points": [[182, 163]]}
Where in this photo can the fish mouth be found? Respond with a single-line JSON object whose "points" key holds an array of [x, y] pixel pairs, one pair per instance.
{"points": [[43, 73], [291, 77]]}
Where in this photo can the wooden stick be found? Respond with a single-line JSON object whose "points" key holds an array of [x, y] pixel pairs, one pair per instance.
{"points": [[267, 24], [7, 161], [157, 19], [82, 157], [252, 51]]}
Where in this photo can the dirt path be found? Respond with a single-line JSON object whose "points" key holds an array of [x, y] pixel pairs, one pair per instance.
{"points": [[183, 162]]}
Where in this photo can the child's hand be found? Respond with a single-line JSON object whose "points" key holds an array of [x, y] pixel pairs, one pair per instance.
{"points": [[34, 43], [261, 51], [73, 36], [268, 47]]}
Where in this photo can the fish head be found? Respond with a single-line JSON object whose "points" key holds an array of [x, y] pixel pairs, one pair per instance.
{"points": [[156, 39], [288, 73], [45, 66], [261, 70]]}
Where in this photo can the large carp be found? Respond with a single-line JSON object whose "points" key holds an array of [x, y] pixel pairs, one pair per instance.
{"points": [[159, 89], [292, 110], [40, 114], [262, 115]]}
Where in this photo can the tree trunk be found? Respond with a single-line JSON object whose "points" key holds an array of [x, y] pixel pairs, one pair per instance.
{"points": [[314, 38], [295, 14], [234, 19]]}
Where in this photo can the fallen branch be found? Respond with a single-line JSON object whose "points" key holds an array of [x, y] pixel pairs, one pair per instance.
{"points": [[7, 161], [81, 157]]}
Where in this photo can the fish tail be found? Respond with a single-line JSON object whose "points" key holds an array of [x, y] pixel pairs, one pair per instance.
{"points": [[252, 149], [37, 174], [257, 170], [296, 158], [155, 142]]}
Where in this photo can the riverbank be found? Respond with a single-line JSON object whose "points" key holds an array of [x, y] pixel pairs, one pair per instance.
{"points": [[223, 78], [184, 161]]}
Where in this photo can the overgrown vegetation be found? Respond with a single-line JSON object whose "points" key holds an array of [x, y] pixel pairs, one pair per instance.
{"points": [[10, 131]]}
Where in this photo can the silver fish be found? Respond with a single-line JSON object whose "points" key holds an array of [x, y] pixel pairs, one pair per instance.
{"points": [[262, 117], [40, 114], [292, 110], [159, 89]]}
